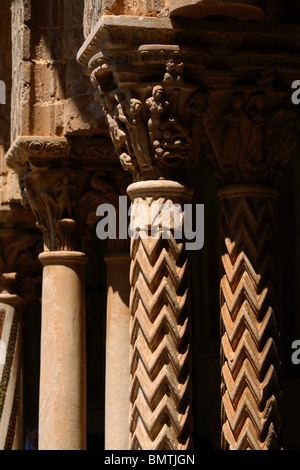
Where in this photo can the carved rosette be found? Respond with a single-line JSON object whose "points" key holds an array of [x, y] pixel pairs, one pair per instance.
{"points": [[250, 138]]}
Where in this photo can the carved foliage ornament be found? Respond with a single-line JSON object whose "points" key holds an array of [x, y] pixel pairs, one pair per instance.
{"points": [[63, 212]]}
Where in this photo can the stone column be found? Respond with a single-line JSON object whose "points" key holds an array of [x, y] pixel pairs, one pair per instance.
{"points": [[62, 408], [10, 368], [117, 351], [160, 328], [19, 282], [63, 191], [251, 141], [156, 144], [250, 378], [62, 412], [153, 81]]}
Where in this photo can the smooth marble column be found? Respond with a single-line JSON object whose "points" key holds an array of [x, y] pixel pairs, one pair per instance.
{"points": [[62, 418]]}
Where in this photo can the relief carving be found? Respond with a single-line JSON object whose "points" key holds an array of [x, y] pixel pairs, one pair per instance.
{"points": [[19, 265], [151, 134], [247, 141], [129, 113], [66, 214]]}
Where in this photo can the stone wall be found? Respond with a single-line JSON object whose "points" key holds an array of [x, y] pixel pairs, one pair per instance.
{"points": [[50, 96], [94, 9], [9, 190]]}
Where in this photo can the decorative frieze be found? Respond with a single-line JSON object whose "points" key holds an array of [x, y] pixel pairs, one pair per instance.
{"points": [[56, 152], [119, 32], [10, 373]]}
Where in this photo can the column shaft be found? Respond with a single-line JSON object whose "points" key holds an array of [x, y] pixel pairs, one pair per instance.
{"points": [[62, 419], [117, 352], [249, 330], [160, 357], [10, 373]]}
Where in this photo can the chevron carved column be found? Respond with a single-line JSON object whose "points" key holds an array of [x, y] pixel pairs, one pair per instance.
{"points": [[249, 148], [11, 366], [153, 118], [249, 330], [160, 330]]}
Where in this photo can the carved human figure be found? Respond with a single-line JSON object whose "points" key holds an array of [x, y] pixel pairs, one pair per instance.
{"points": [[281, 135], [197, 105], [253, 128], [119, 137], [169, 134], [174, 70], [63, 197], [232, 130], [158, 107], [129, 113]]}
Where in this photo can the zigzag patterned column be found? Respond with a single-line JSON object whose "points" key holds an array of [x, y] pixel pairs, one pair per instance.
{"points": [[249, 332], [160, 357], [250, 137], [10, 372]]}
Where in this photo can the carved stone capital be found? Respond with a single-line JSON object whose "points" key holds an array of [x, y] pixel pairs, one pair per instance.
{"points": [[156, 130], [154, 76], [65, 205], [63, 180], [250, 135], [154, 117], [20, 270], [7, 283]]}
